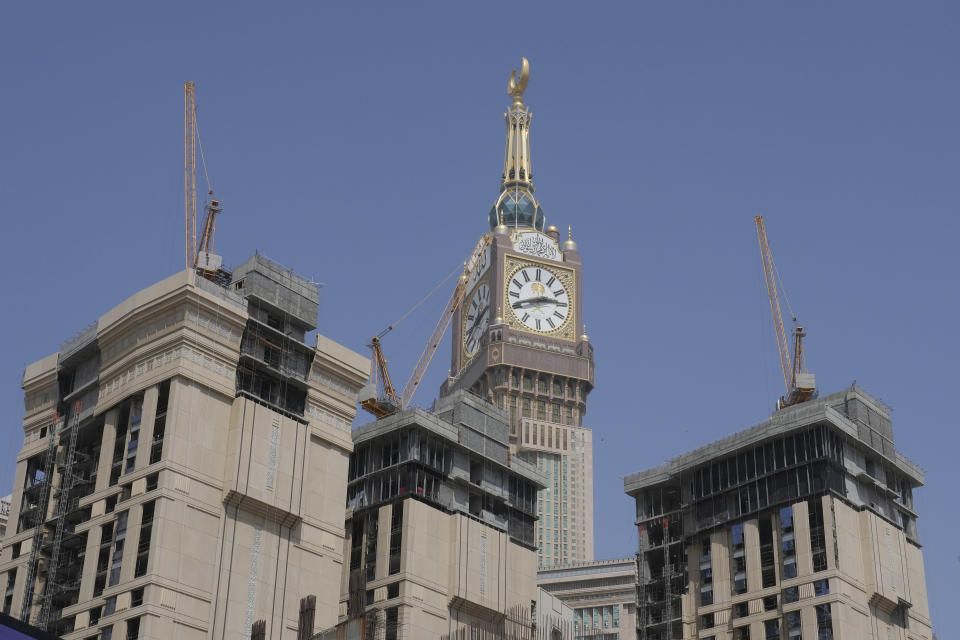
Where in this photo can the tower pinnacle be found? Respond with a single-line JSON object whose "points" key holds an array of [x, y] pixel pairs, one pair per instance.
{"points": [[516, 206]]}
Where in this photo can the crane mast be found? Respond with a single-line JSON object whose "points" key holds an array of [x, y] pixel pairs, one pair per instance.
{"points": [[190, 173], [800, 384]]}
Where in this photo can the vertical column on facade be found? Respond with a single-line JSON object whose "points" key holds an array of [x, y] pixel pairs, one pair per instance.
{"points": [[89, 574], [808, 622], [19, 480], [148, 417], [830, 530], [280, 586], [720, 559], [106, 449], [178, 407], [801, 539], [751, 543], [129, 559]]}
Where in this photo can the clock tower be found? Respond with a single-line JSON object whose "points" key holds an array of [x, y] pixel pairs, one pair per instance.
{"points": [[518, 340]]}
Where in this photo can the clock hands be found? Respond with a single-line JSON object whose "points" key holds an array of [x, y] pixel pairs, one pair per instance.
{"points": [[531, 301], [476, 323]]}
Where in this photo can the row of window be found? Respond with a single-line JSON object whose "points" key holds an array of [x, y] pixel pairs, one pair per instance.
{"points": [[819, 442], [788, 551], [606, 617], [791, 623]]}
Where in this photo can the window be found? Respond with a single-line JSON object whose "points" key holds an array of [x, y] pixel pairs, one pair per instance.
{"points": [[767, 565], [770, 603], [391, 632], [706, 574], [741, 633], [741, 610], [771, 629], [791, 594], [707, 621], [136, 412], [738, 560], [818, 543], [824, 622], [120, 533], [787, 543], [133, 628], [160, 422], [152, 481], [370, 561], [396, 537], [793, 626], [393, 590], [95, 615], [8, 596], [821, 587], [143, 545]]}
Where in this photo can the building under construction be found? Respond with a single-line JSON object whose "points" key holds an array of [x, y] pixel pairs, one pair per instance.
{"points": [[801, 527], [184, 465]]}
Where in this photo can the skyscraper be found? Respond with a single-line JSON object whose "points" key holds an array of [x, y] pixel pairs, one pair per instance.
{"points": [[801, 527], [519, 341]]}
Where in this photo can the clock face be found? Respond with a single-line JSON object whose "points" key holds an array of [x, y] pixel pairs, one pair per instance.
{"points": [[538, 298], [476, 318]]}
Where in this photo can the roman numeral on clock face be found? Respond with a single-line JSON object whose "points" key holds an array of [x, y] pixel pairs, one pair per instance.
{"points": [[559, 292], [514, 294], [550, 322], [538, 325], [517, 282], [558, 314], [526, 317], [550, 281], [537, 276], [526, 278]]}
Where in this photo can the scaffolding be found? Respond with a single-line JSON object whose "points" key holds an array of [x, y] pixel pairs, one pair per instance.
{"points": [[65, 505], [37, 518], [661, 565]]}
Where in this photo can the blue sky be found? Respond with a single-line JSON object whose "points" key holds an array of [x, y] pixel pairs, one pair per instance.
{"points": [[362, 146]]}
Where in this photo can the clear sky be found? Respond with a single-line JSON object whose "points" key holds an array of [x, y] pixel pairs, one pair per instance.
{"points": [[362, 146]]}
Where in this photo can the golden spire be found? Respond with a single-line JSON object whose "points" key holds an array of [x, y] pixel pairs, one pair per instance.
{"points": [[516, 160], [516, 206]]}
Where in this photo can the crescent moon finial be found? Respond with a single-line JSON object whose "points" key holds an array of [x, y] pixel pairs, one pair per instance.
{"points": [[517, 86]]}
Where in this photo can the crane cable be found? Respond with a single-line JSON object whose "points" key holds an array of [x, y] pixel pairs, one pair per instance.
{"points": [[203, 159], [422, 300], [783, 289]]}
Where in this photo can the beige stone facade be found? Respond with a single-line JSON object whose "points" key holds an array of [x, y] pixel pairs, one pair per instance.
{"points": [[601, 594], [182, 501], [801, 527], [439, 522]]}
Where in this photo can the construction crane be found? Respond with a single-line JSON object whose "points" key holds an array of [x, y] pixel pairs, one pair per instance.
{"points": [[380, 397], [199, 255], [800, 384]]}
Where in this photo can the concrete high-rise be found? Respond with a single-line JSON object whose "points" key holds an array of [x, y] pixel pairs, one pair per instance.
{"points": [[184, 465], [801, 527], [518, 340], [440, 523]]}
